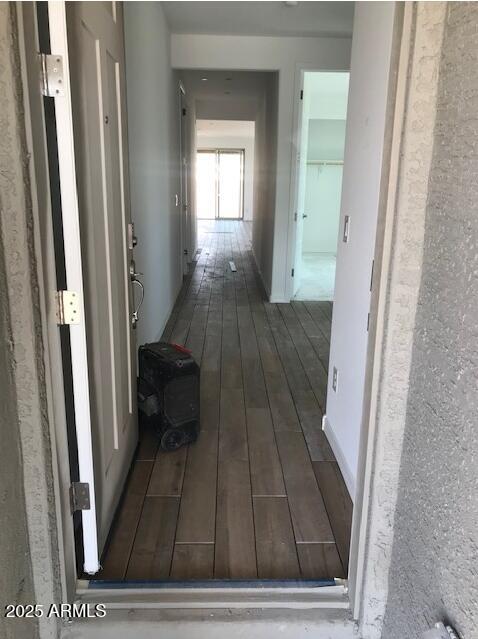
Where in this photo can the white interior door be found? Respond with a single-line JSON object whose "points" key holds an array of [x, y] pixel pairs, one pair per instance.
{"points": [[95, 34], [89, 35]]}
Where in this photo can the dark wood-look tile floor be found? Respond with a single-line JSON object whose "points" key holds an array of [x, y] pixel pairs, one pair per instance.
{"points": [[259, 495]]}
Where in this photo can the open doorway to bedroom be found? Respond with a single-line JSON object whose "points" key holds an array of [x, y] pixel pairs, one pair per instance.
{"points": [[322, 142]]}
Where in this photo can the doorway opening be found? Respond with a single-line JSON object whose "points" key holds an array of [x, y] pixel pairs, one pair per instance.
{"points": [[220, 184], [260, 495], [322, 142], [224, 169]]}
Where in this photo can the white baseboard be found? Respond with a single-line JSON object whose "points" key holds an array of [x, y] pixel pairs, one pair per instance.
{"points": [[347, 474], [278, 299]]}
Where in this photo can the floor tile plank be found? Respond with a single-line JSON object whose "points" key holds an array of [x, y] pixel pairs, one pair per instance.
{"points": [[309, 516], [168, 473], [235, 554], [192, 562], [319, 561], [316, 337], [153, 546], [321, 319], [124, 527], [276, 549], [148, 444], [338, 504], [197, 514], [266, 469]]}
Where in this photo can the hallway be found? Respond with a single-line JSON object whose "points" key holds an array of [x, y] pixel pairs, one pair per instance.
{"points": [[259, 495]]}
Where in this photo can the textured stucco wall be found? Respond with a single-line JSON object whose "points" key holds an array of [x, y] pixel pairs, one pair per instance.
{"points": [[16, 580], [29, 570], [400, 276], [434, 573]]}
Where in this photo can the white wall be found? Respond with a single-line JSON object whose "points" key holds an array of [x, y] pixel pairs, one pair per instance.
{"points": [[216, 109], [322, 206], [364, 140], [327, 93], [326, 139], [323, 186], [230, 142], [191, 119], [268, 54], [152, 97], [266, 140]]}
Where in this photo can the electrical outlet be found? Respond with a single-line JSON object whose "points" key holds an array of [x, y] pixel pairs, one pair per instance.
{"points": [[335, 379]]}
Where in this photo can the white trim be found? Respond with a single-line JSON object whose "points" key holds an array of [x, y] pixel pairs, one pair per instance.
{"points": [[74, 274], [366, 462], [183, 185], [294, 176], [340, 457], [300, 69]]}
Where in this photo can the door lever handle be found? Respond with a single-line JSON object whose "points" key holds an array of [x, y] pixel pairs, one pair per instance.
{"points": [[304, 215], [135, 316]]}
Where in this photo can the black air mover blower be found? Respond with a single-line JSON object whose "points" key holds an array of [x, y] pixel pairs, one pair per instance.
{"points": [[168, 393]]}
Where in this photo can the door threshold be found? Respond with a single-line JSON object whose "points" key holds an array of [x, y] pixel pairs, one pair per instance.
{"points": [[315, 594], [214, 583]]}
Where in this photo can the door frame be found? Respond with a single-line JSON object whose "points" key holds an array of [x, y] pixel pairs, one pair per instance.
{"points": [[217, 151], [333, 597], [184, 205], [74, 276], [291, 260]]}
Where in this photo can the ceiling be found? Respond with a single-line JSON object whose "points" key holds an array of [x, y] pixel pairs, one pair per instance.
{"points": [[306, 19], [223, 84], [225, 128]]}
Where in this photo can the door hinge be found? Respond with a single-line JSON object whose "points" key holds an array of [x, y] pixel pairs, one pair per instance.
{"points": [[51, 75], [371, 275], [67, 307], [292, 272], [301, 94], [79, 496], [295, 217], [184, 111]]}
